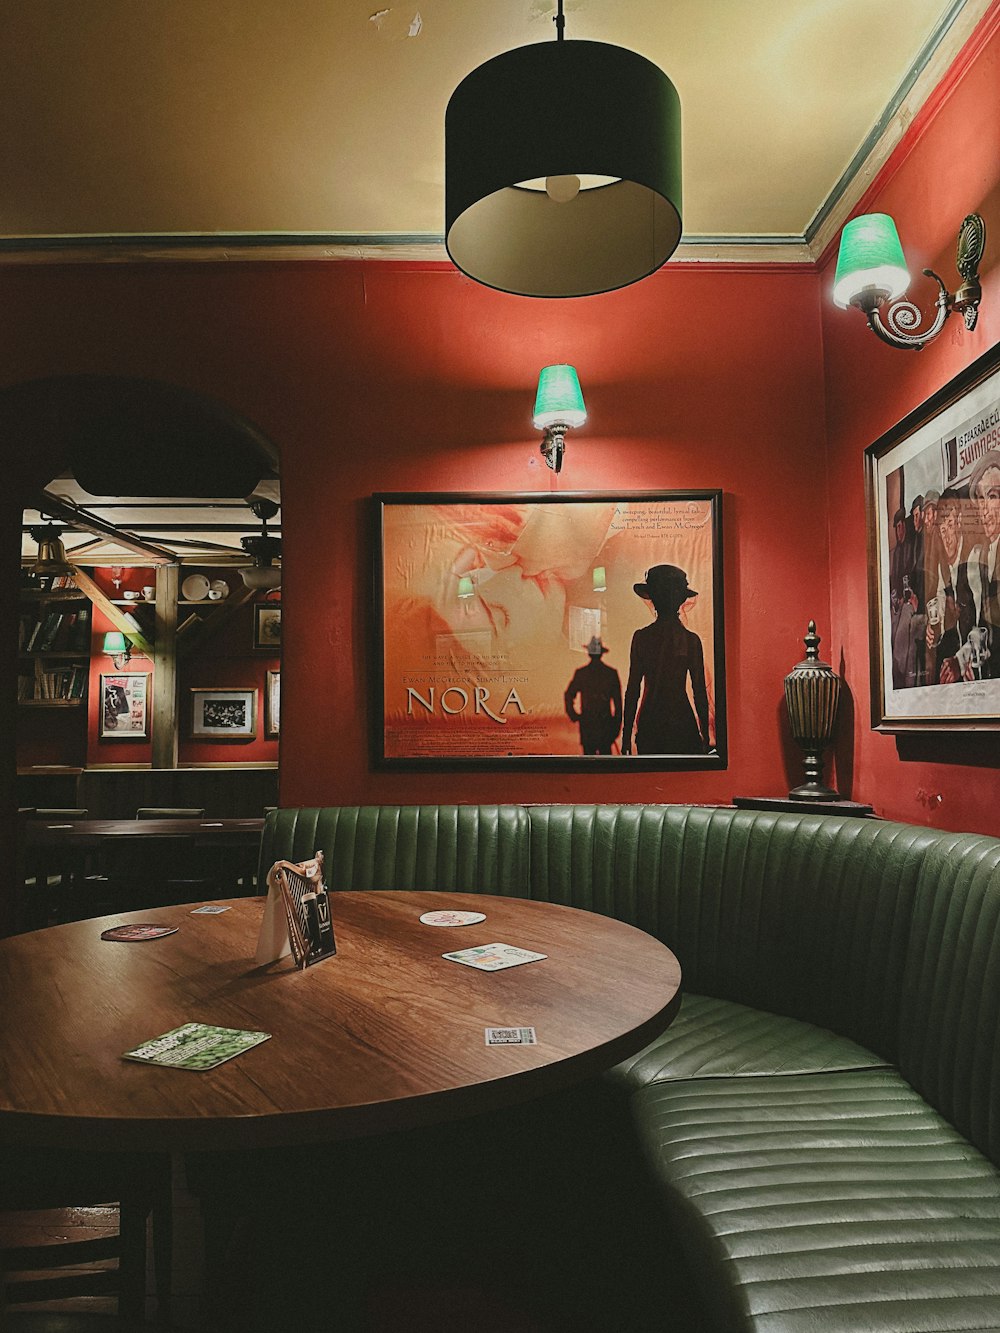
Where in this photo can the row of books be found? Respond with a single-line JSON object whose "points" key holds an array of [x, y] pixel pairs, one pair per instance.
{"points": [[55, 631], [67, 683], [49, 583]]}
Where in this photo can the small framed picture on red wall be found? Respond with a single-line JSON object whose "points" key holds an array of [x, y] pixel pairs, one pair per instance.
{"points": [[223, 714], [125, 706], [267, 626]]}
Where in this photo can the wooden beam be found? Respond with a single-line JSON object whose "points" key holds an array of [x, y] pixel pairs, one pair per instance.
{"points": [[83, 521], [86, 584]]}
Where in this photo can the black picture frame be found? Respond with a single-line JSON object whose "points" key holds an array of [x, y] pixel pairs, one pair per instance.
{"points": [[476, 595]]}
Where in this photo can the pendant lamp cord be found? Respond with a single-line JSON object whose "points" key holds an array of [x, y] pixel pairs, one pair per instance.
{"points": [[559, 20]]}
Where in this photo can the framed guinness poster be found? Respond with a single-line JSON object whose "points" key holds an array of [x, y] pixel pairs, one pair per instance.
{"points": [[933, 496]]}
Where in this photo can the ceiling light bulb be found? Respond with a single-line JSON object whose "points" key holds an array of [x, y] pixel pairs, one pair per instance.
{"points": [[562, 189]]}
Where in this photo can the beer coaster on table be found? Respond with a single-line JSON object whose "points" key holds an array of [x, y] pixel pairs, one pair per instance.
{"points": [[140, 931], [210, 909], [448, 918], [493, 957]]}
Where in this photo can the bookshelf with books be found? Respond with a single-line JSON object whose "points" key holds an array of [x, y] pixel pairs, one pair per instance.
{"points": [[53, 645]]}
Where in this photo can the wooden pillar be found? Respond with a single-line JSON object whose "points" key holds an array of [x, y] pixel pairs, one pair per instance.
{"points": [[166, 715]]}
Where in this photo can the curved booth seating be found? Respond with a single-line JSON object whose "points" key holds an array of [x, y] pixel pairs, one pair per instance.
{"points": [[819, 1129]]}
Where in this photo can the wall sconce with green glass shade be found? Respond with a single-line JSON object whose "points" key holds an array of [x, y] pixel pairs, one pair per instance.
{"points": [[558, 408], [871, 271], [118, 648]]}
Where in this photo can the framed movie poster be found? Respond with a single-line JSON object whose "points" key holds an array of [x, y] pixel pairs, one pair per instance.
{"points": [[223, 715], [933, 498], [562, 630], [125, 706]]}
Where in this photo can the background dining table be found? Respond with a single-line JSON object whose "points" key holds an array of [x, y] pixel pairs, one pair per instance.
{"points": [[72, 854]]}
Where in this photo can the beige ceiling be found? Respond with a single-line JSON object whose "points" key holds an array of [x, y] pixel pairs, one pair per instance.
{"points": [[326, 116]]}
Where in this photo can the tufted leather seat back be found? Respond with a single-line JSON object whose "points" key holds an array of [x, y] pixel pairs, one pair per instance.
{"points": [[804, 915], [453, 848], [949, 1046]]}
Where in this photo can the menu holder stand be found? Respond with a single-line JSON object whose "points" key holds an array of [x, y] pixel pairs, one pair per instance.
{"points": [[297, 917]]}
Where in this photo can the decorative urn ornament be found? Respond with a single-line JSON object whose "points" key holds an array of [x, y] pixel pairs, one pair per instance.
{"points": [[812, 694]]}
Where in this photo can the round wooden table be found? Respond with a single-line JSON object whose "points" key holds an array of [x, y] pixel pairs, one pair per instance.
{"points": [[385, 1035]]}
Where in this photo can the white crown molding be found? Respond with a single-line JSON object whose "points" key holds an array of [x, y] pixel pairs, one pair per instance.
{"points": [[250, 249]]}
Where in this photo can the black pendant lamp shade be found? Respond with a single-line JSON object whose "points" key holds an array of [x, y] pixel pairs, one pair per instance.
{"points": [[564, 108]]}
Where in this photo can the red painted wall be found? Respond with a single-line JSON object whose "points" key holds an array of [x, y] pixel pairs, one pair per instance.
{"points": [[375, 376], [947, 166]]}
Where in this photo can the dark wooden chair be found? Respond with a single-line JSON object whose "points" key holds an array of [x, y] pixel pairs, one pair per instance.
{"points": [[47, 887], [172, 870], [139, 1183]]}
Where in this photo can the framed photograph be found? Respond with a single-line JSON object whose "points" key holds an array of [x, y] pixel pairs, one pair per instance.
{"points": [[933, 499], [272, 706], [559, 630], [125, 706], [223, 715], [267, 626]]}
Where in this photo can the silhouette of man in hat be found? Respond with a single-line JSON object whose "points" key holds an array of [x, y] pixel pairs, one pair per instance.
{"points": [[599, 711], [664, 655]]}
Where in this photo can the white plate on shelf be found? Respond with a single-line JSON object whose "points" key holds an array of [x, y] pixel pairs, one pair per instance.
{"points": [[220, 586], [195, 588]]}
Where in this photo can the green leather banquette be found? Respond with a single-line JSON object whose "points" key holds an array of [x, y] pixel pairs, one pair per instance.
{"points": [[821, 1122]]}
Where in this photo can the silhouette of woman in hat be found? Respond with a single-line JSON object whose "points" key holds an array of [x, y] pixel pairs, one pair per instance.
{"points": [[664, 655]]}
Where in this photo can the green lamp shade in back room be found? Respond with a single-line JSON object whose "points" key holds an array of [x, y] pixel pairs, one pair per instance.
{"points": [[870, 257], [114, 642]]}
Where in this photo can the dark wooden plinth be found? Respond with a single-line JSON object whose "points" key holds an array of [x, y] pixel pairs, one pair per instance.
{"points": [[785, 803]]}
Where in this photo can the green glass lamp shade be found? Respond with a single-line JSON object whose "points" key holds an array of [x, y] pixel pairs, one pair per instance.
{"points": [[600, 579], [559, 401], [870, 259], [114, 642], [466, 588]]}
